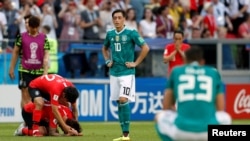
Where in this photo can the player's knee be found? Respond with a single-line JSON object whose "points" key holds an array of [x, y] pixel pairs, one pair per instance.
{"points": [[123, 100], [223, 117]]}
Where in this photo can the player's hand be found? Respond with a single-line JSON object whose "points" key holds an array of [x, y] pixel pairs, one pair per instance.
{"points": [[11, 74], [80, 134], [130, 64], [53, 132], [72, 132], [110, 64]]}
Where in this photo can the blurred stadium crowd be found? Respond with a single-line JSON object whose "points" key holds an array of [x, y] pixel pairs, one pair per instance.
{"points": [[88, 21]]}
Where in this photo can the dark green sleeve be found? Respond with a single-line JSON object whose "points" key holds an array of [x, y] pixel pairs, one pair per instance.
{"points": [[220, 86], [106, 41], [139, 41], [170, 82]]}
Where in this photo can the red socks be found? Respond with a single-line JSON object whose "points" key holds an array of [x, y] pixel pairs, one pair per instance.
{"points": [[37, 114]]}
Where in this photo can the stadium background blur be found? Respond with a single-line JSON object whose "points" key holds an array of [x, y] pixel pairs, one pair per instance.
{"points": [[224, 39]]}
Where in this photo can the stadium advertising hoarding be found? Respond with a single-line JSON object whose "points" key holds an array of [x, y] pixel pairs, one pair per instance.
{"points": [[10, 110], [238, 100], [94, 103]]}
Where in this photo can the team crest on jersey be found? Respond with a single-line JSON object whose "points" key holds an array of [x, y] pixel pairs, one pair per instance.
{"points": [[124, 38], [117, 38], [55, 97]]}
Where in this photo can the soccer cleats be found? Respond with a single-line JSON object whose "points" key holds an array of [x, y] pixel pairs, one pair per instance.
{"points": [[122, 139], [18, 131]]}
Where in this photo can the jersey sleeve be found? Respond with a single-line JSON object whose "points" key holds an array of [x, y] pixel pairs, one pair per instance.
{"points": [[170, 82], [139, 41], [166, 51], [52, 121], [106, 41], [46, 44], [219, 84], [18, 41], [54, 96]]}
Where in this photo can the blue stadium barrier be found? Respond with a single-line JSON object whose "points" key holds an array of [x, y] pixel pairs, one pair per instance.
{"points": [[5, 59]]}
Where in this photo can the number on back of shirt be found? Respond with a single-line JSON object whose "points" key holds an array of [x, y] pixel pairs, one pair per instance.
{"points": [[189, 84]]}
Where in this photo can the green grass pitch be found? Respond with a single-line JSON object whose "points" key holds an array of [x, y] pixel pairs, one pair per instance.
{"points": [[94, 131]]}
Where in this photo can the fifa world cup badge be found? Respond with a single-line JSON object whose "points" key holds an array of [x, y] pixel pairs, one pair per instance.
{"points": [[117, 38]]}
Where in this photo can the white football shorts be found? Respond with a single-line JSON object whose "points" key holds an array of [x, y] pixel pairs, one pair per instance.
{"points": [[122, 86]]}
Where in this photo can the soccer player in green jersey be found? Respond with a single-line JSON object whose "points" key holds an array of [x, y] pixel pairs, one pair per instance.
{"points": [[198, 93], [118, 51]]}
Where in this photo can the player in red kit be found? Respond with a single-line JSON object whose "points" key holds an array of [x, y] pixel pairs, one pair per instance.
{"points": [[48, 123], [55, 89], [174, 52]]}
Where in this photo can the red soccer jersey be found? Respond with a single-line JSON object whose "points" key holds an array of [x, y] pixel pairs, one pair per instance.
{"points": [[47, 114], [178, 60], [51, 84]]}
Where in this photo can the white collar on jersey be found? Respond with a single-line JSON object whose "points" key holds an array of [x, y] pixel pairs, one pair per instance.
{"points": [[194, 63], [121, 30]]}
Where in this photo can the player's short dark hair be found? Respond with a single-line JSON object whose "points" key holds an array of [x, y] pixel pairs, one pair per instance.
{"points": [[74, 124], [195, 53], [47, 28], [179, 32], [71, 94], [119, 11], [34, 22], [27, 16]]}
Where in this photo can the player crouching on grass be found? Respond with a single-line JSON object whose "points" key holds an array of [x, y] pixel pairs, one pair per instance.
{"points": [[198, 91], [48, 123]]}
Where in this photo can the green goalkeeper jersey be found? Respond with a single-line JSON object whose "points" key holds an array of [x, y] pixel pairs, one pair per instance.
{"points": [[122, 45], [195, 89]]}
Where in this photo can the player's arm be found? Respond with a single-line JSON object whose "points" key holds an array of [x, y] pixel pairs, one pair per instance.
{"points": [[168, 57], [220, 99], [181, 53], [53, 132], [105, 51], [142, 55], [14, 58], [106, 55], [46, 57], [220, 102], [75, 111], [139, 41], [59, 118], [13, 62], [168, 100]]}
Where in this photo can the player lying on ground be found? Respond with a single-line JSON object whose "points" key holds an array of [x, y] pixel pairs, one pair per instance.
{"points": [[48, 123]]}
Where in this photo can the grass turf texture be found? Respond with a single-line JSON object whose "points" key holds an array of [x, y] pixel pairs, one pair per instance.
{"points": [[94, 131]]}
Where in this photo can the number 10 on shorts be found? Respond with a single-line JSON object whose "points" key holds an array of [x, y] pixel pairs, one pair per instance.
{"points": [[126, 91]]}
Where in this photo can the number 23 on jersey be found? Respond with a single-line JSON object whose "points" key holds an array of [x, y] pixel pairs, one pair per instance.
{"points": [[193, 87]]}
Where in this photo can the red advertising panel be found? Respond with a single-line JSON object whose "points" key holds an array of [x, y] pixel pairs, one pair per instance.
{"points": [[238, 100]]}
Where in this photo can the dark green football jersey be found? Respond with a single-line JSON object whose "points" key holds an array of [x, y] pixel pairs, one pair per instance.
{"points": [[122, 45], [195, 89]]}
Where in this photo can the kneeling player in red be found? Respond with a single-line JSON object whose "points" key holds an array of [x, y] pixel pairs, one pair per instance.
{"points": [[55, 89], [48, 124]]}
